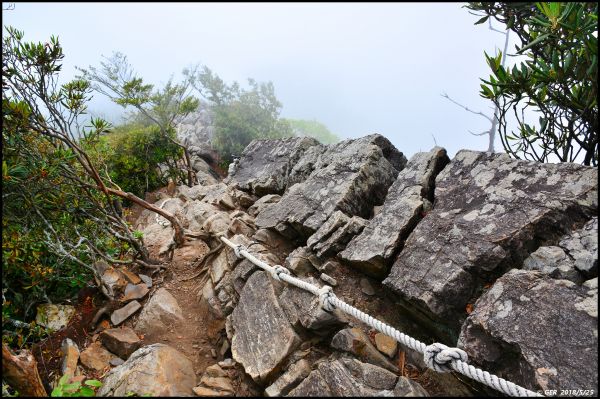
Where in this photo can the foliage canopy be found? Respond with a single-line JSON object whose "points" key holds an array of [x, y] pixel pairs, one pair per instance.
{"points": [[559, 80]]}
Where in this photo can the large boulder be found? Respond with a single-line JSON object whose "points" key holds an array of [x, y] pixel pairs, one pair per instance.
{"points": [[490, 213], [346, 377], [159, 314], [158, 370], [372, 251], [536, 331], [263, 336], [266, 164], [351, 176]]}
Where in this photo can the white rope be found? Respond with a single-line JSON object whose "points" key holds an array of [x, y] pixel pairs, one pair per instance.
{"points": [[160, 219], [437, 356]]}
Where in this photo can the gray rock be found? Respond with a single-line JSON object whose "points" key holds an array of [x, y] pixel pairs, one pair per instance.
{"points": [[157, 369], [120, 341], [582, 247], [242, 223], [146, 279], [490, 212], [262, 203], [351, 176], [122, 314], [345, 377], [262, 337], [298, 261], [334, 234], [355, 341], [575, 258], [70, 353], [372, 250], [210, 393], [328, 279], [116, 361], [159, 314], [227, 363], [265, 164], [137, 291], [217, 223], [303, 309], [554, 262], [366, 287], [288, 380], [535, 331], [409, 388]]}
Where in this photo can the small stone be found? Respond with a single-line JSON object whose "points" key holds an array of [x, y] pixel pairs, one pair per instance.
{"points": [[131, 277], [205, 392], [213, 353], [116, 361], [135, 292], [196, 346], [386, 344], [215, 371], [218, 383], [366, 287], [70, 352], [328, 279], [96, 357], [121, 341], [296, 373], [146, 279], [120, 315], [227, 363], [224, 347], [329, 266]]}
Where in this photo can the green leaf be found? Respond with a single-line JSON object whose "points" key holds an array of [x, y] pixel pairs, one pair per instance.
{"points": [[86, 392], [482, 20], [534, 42], [93, 383]]}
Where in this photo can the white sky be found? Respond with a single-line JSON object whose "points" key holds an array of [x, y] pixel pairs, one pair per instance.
{"points": [[359, 68]]}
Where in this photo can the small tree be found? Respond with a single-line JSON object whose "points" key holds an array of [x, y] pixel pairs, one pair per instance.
{"points": [[118, 81], [312, 128], [558, 81], [33, 102], [240, 115]]}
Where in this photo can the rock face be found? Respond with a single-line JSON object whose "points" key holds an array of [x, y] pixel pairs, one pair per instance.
{"points": [[263, 336], [372, 250], [158, 370], [538, 332], [335, 233], [490, 213], [346, 377], [159, 313], [265, 165], [351, 176], [575, 258]]}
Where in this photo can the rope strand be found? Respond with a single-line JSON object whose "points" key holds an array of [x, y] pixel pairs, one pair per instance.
{"points": [[437, 356]]}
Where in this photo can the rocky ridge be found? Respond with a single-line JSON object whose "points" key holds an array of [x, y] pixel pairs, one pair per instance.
{"points": [[468, 251]]}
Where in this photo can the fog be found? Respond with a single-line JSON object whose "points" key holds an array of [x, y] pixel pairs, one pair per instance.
{"points": [[357, 68]]}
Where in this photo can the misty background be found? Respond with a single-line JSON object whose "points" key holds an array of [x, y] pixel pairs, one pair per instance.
{"points": [[358, 68]]}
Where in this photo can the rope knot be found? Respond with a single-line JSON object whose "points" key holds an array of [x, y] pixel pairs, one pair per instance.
{"points": [[237, 250], [277, 270], [438, 357], [326, 296]]}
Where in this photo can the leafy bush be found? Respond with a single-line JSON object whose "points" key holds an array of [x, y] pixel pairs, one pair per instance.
{"points": [[559, 80], [133, 152], [75, 389], [315, 129]]}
